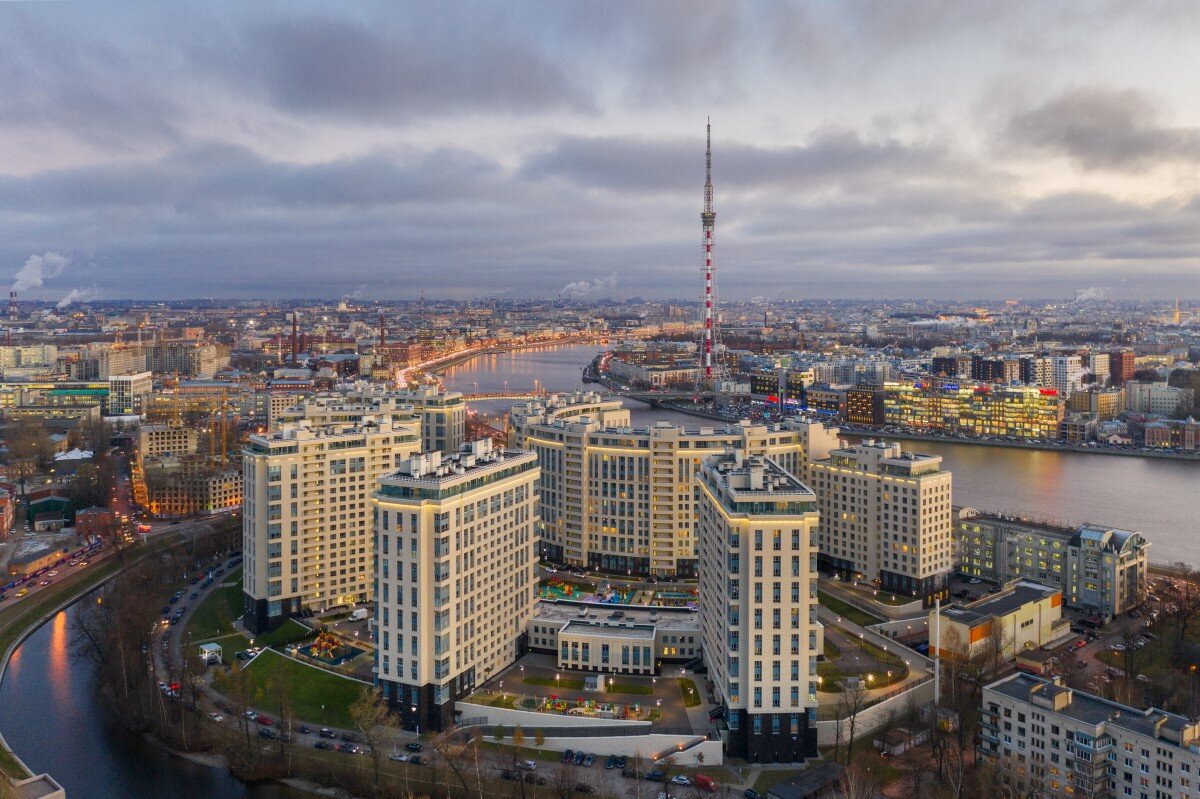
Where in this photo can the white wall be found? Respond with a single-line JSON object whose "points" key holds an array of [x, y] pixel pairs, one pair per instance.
{"points": [[876, 716]]}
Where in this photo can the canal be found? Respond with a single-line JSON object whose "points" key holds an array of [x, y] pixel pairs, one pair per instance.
{"points": [[53, 719], [1158, 497]]}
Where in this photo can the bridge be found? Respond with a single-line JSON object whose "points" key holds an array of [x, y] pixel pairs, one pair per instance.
{"points": [[504, 396]]}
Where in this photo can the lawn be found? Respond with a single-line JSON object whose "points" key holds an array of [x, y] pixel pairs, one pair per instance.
{"points": [[859, 617], [316, 696], [630, 688], [691, 695], [831, 650], [570, 683], [217, 611]]}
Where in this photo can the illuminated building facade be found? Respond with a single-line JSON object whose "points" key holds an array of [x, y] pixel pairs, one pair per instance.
{"points": [[978, 410]]}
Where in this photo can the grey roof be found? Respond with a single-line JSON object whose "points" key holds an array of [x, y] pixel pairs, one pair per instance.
{"points": [[809, 784], [1001, 604], [1094, 710]]}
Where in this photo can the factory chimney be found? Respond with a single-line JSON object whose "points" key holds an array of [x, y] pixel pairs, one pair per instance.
{"points": [[295, 361]]}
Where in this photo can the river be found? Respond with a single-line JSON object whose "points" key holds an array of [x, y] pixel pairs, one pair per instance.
{"points": [[52, 717], [1158, 497]]}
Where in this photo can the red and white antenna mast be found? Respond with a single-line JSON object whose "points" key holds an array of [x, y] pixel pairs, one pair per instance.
{"points": [[708, 220]]}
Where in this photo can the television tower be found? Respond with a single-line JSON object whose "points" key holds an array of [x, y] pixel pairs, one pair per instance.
{"points": [[708, 221]]}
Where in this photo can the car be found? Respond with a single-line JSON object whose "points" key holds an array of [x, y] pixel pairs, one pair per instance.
{"points": [[250, 714], [611, 762], [413, 747], [349, 749], [974, 581], [417, 760], [166, 611], [351, 738], [396, 757], [83, 563], [1081, 643], [631, 773], [1142, 678], [266, 732], [322, 745], [579, 756], [1118, 647], [568, 756], [583, 787], [266, 721], [507, 774], [241, 654], [535, 779], [622, 761], [52, 573], [217, 717], [325, 732], [750, 793], [680, 779], [44, 582], [588, 760], [304, 729], [194, 595], [22, 592], [654, 776], [528, 765]]}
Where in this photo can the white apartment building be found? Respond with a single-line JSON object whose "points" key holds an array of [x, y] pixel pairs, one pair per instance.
{"points": [[1044, 735], [1157, 398], [456, 547], [621, 499], [307, 532], [1067, 373], [127, 393], [758, 615], [440, 415], [886, 518]]}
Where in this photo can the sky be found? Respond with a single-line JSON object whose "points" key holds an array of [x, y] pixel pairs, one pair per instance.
{"points": [[881, 148]]}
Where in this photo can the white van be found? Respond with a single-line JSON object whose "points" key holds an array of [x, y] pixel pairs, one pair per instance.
{"points": [[358, 614]]}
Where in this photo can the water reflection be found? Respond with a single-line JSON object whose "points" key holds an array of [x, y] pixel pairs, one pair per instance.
{"points": [[56, 660]]}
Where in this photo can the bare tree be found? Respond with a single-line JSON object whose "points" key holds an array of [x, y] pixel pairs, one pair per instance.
{"points": [[851, 702], [377, 724], [856, 783]]}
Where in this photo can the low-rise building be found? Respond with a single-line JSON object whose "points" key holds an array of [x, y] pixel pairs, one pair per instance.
{"points": [[614, 640], [1024, 616], [1100, 570]]}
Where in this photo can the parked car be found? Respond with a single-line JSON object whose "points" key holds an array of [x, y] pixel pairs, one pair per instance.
{"points": [[267, 732], [588, 760], [250, 714], [583, 787], [413, 747], [325, 732], [611, 762], [322, 745], [217, 717], [528, 765], [680, 779], [654, 776]]}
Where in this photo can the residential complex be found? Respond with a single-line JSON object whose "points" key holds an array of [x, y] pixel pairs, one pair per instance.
{"points": [[306, 526], [1099, 569], [758, 615], [622, 499], [456, 546], [1044, 735], [886, 518], [623, 641]]}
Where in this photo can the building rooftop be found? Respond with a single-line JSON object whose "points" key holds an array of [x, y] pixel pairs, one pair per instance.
{"points": [[1168, 728], [681, 620], [1002, 604]]}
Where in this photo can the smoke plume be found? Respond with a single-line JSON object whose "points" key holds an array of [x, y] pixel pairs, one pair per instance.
{"points": [[1091, 293], [78, 295], [38, 269], [582, 288]]}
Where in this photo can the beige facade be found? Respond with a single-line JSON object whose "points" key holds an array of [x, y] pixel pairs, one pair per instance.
{"points": [[307, 524], [621, 499], [457, 546], [440, 415], [758, 618], [625, 640], [886, 518], [1022, 617]]}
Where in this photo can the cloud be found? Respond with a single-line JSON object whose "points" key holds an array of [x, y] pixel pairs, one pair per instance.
{"points": [[584, 288], [78, 295], [1103, 129], [38, 269]]}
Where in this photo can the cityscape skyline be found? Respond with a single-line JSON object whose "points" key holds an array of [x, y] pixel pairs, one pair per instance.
{"points": [[915, 151]]}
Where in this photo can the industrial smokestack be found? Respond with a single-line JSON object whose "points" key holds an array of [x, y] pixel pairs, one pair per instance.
{"points": [[295, 360], [382, 332], [12, 306]]}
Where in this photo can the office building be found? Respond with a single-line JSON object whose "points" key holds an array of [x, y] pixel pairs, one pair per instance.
{"points": [[621, 499], [938, 406], [1067, 374], [758, 618], [886, 518], [864, 405], [625, 641], [1157, 398], [1023, 616], [1047, 739], [1100, 570], [1105, 404], [127, 393], [457, 547], [1122, 365], [306, 527]]}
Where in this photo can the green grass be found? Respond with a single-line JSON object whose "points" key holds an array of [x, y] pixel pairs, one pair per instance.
{"points": [[689, 692], [630, 688], [831, 650], [308, 689], [217, 611], [859, 617], [288, 632], [570, 683], [769, 778]]}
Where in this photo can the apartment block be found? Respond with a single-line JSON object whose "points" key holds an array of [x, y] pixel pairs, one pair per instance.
{"points": [[307, 528], [621, 499], [158, 440], [1050, 740], [1067, 374], [456, 546], [127, 393], [758, 619], [886, 518], [1024, 616], [1100, 570], [440, 415]]}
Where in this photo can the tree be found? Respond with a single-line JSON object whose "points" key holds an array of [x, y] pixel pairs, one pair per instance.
{"points": [[518, 737], [29, 449], [375, 721], [857, 783], [498, 732], [851, 701], [539, 737], [1147, 375]]}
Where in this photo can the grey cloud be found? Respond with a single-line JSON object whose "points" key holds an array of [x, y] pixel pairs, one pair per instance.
{"points": [[1099, 128]]}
